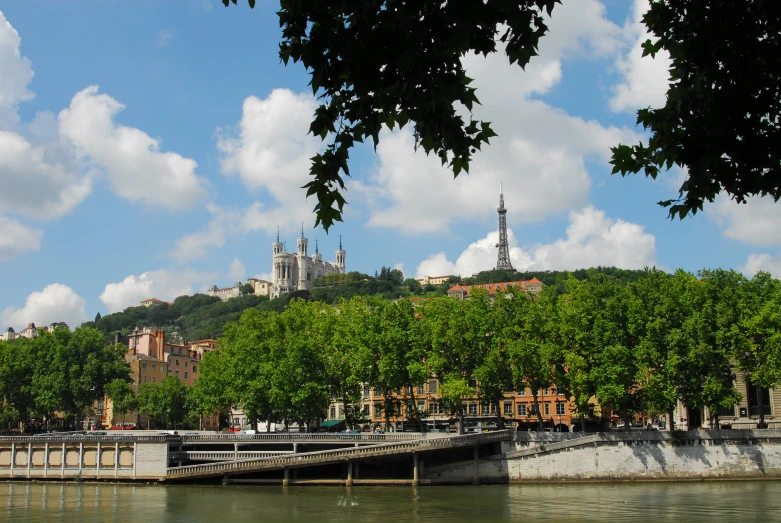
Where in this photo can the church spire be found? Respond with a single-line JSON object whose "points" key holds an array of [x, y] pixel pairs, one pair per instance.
{"points": [[277, 233], [340, 242], [302, 229], [503, 262]]}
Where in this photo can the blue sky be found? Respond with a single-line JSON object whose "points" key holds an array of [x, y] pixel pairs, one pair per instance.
{"points": [[150, 149]]}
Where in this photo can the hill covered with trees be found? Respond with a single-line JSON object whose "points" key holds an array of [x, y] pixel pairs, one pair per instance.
{"points": [[201, 316]]}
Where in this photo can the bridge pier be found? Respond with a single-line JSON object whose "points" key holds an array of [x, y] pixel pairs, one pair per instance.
{"points": [[349, 482], [415, 479], [225, 480], [476, 474], [286, 477]]}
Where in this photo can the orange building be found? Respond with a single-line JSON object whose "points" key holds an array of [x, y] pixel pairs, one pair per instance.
{"points": [[463, 291]]}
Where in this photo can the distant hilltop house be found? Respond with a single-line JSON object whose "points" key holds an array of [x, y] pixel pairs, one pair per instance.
{"points": [[259, 288], [463, 291], [31, 331], [153, 301], [433, 280]]}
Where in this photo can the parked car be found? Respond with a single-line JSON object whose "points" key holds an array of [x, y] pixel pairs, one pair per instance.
{"points": [[348, 434]]}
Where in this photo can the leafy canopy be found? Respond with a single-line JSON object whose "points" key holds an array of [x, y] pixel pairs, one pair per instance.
{"points": [[721, 120], [376, 63]]}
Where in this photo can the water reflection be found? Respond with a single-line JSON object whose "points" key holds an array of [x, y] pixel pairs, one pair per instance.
{"points": [[579, 503]]}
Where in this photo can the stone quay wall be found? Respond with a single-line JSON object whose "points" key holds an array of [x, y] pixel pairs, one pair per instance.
{"points": [[622, 456]]}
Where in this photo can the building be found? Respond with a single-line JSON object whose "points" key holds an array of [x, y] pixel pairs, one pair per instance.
{"points": [[8, 334], [433, 280], [296, 272], [153, 301], [226, 293], [463, 291], [516, 408], [183, 360], [30, 332], [259, 287]]}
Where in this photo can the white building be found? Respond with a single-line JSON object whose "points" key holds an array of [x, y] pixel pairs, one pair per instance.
{"points": [[296, 272], [225, 293], [8, 335]]}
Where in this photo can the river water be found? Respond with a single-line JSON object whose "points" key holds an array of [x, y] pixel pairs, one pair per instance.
{"points": [[729, 501]]}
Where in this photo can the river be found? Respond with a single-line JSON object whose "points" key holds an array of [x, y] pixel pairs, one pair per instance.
{"points": [[729, 501]]}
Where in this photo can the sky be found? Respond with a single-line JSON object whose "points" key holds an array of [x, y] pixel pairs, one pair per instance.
{"points": [[152, 149]]}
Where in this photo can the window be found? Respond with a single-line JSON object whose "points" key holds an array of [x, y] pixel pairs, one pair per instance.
{"points": [[341, 412], [365, 391], [185, 363], [177, 372], [154, 368], [432, 386], [547, 409], [333, 413], [143, 366], [366, 410], [753, 396], [195, 368], [522, 409], [534, 410], [508, 408], [177, 362], [153, 379], [378, 410], [169, 371], [433, 407], [473, 409], [726, 412], [185, 374], [522, 392], [559, 409], [421, 406], [420, 389], [144, 379]]}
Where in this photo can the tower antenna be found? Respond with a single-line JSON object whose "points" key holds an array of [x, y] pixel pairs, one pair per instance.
{"points": [[302, 229], [503, 262], [340, 242], [277, 233], [316, 251]]}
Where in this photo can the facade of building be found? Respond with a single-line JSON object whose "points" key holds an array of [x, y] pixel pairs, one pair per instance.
{"points": [[8, 334], [30, 332], [183, 360], [225, 293], [462, 291], [261, 287], [296, 272], [516, 408], [433, 280], [153, 301]]}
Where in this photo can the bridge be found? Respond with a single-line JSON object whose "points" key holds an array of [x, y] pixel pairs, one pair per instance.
{"points": [[269, 458]]}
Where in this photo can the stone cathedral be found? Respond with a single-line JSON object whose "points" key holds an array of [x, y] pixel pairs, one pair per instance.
{"points": [[296, 272]]}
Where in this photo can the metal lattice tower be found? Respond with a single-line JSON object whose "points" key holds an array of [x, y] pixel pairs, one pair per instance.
{"points": [[503, 263]]}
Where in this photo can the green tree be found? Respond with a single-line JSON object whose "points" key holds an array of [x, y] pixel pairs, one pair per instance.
{"points": [[756, 338], [413, 73], [123, 398], [16, 374], [247, 288], [172, 399], [413, 286], [723, 108]]}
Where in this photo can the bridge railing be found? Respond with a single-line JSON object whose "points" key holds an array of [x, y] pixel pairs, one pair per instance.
{"points": [[296, 460], [113, 438], [305, 436], [225, 455]]}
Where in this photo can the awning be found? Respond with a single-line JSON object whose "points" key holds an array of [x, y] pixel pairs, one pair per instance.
{"points": [[331, 423]]}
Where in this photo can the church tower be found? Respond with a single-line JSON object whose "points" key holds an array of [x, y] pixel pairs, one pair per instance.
{"points": [[277, 245], [302, 243], [503, 262], [340, 256]]}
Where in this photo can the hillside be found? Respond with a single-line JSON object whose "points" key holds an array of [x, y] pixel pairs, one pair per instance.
{"points": [[201, 316]]}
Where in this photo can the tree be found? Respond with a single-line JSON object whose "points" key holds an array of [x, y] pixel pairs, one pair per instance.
{"points": [[16, 374], [407, 69], [413, 286], [722, 117], [756, 338], [123, 398], [173, 399], [97, 317], [247, 288]]}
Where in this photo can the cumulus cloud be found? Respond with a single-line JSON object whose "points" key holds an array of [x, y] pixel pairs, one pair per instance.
{"points": [[593, 239], [270, 150], [758, 221], [762, 262], [644, 80], [540, 154], [17, 72], [131, 159], [16, 238], [237, 271], [56, 302], [162, 284]]}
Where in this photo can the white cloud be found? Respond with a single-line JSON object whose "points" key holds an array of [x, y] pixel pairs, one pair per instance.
{"points": [[162, 284], [237, 270], [56, 302], [17, 72], [644, 79], [762, 262], [271, 152], [16, 238], [165, 37], [132, 160], [592, 240], [32, 185], [540, 154], [758, 221]]}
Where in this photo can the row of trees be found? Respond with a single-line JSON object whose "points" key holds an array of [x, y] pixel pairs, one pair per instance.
{"points": [[61, 372], [638, 346]]}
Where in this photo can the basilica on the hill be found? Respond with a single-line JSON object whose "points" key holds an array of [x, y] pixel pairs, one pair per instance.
{"points": [[296, 272]]}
